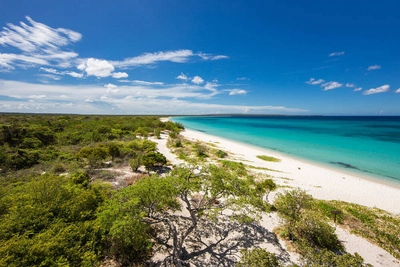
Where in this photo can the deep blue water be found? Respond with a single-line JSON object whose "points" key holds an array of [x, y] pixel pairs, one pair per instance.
{"points": [[368, 145]]}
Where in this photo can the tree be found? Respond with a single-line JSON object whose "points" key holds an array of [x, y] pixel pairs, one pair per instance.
{"points": [[94, 155], [201, 194], [153, 158]]}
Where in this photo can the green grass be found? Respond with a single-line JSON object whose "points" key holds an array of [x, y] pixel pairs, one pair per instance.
{"points": [[268, 158], [379, 227]]}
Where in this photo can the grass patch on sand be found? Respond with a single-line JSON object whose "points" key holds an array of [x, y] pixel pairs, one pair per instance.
{"points": [[268, 158], [376, 225]]}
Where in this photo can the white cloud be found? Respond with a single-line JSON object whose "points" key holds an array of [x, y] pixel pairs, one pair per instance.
{"points": [[51, 76], [74, 74], [37, 96], [219, 57], [357, 89], [39, 44], [397, 91], [211, 86], [335, 54], [374, 67], [197, 80], [178, 56], [147, 83], [380, 89], [242, 79], [350, 85], [211, 57], [237, 92], [182, 77], [331, 85], [151, 100], [119, 75], [54, 71], [96, 67], [314, 82], [32, 38]]}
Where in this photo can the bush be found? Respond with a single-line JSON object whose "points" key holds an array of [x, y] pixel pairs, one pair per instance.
{"points": [[258, 257], [316, 233], [153, 158], [221, 154]]}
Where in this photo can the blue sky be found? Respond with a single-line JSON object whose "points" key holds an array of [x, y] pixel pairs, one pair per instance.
{"points": [[200, 57]]}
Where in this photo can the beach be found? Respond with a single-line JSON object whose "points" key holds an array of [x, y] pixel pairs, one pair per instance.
{"points": [[319, 181]]}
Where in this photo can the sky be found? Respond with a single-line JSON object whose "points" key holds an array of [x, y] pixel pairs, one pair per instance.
{"points": [[200, 57]]}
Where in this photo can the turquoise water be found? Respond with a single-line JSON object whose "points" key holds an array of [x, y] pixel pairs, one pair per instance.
{"points": [[367, 145]]}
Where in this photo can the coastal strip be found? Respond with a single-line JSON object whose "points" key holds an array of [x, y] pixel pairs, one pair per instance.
{"points": [[319, 181]]}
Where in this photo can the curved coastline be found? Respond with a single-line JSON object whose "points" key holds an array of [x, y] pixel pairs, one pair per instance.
{"points": [[321, 181]]}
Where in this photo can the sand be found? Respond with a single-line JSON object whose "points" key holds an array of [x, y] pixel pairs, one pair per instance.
{"points": [[319, 181]]}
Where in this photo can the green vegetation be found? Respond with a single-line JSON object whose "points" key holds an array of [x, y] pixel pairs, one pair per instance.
{"points": [[258, 257], [52, 212], [58, 206], [268, 158], [310, 234], [378, 226]]}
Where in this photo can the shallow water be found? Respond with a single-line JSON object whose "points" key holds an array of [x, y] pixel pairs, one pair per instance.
{"points": [[368, 145]]}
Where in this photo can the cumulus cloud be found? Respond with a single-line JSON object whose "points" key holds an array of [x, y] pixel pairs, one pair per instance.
{"points": [[237, 92], [335, 54], [350, 85], [182, 77], [197, 80], [314, 81], [397, 91], [357, 89], [96, 67], [331, 85], [380, 89], [374, 67]]}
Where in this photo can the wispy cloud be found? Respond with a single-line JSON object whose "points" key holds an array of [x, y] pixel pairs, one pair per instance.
{"points": [[44, 46], [397, 91], [350, 85], [335, 54], [331, 85], [178, 56], [147, 83], [57, 72], [39, 44], [197, 80], [374, 67], [380, 89], [243, 79], [314, 81], [211, 57], [357, 89], [110, 98]]}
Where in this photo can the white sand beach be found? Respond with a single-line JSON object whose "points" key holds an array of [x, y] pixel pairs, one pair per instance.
{"points": [[319, 181]]}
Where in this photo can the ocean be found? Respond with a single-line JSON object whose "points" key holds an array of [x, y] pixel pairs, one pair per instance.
{"points": [[365, 145]]}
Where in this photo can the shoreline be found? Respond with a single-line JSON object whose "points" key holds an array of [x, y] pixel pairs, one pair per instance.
{"points": [[319, 180]]}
